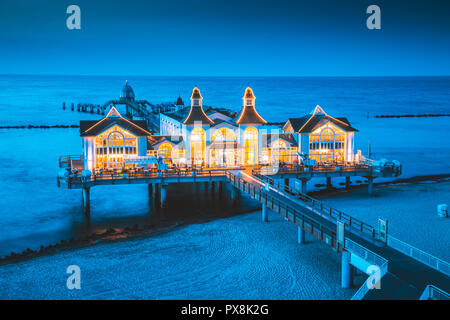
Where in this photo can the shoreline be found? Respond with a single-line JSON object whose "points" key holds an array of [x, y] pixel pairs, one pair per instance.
{"points": [[112, 235]]}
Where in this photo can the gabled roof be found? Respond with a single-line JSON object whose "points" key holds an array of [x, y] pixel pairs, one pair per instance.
{"points": [[94, 128], [272, 137], [309, 124], [316, 119]]}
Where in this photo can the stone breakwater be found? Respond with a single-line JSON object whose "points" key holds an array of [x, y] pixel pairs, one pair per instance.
{"points": [[30, 126], [107, 235]]}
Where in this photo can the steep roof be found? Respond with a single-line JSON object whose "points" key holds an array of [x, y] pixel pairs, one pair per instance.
{"points": [[94, 128], [196, 114], [249, 115]]}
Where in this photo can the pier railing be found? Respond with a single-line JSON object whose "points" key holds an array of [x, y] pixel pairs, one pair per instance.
{"points": [[67, 161], [113, 176], [325, 210], [291, 213], [354, 167], [419, 255], [370, 257], [434, 293]]}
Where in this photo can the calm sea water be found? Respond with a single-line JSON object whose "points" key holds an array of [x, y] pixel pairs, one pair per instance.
{"points": [[33, 211]]}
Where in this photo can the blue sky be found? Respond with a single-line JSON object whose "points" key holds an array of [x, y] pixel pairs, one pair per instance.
{"points": [[225, 38]]}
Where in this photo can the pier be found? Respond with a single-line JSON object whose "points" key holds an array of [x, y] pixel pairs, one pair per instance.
{"points": [[363, 248], [270, 163]]}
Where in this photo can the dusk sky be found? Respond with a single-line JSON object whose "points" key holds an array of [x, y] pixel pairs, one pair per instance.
{"points": [[225, 38]]}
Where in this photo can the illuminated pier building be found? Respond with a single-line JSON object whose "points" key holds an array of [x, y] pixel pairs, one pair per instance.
{"points": [[191, 137]]}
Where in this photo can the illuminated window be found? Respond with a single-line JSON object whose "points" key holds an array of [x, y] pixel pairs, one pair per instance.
{"points": [[165, 152], [223, 134], [112, 145], [327, 145], [198, 142], [250, 146]]}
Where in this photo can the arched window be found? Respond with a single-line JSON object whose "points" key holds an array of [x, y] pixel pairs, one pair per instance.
{"points": [[198, 142], [279, 151], [223, 134], [165, 152], [112, 145], [327, 145], [115, 139], [250, 146]]}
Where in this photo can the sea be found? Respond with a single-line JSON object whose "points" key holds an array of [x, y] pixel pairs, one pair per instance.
{"points": [[35, 212]]}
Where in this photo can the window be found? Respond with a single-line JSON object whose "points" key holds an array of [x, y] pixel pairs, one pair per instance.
{"points": [[250, 146], [165, 152], [198, 142], [112, 145], [327, 145], [223, 134]]}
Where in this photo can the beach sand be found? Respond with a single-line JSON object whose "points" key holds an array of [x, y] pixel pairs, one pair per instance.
{"points": [[409, 208], [233, 258]]}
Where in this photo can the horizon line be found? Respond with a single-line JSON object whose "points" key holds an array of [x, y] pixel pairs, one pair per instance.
{"points": [[228, 76]]}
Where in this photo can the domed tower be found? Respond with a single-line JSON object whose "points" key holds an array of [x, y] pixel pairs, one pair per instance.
{"points": [[249, 115], [127, 93], [197, 126], [249, 122], [196, 113]]}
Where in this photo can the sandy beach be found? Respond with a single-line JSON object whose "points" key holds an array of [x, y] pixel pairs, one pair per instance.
{"points": [[409, 208], [233, 258]]}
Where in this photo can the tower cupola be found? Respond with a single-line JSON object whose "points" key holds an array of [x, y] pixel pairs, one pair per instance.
{"points": [[196, 114], [249, 115]]}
